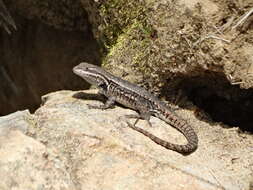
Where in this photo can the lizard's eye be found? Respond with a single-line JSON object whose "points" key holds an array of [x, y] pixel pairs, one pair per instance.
{"points": [[89, 68], [102, 85]]}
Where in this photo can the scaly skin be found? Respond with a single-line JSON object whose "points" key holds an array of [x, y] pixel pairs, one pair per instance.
{"points": [[137, 98]]}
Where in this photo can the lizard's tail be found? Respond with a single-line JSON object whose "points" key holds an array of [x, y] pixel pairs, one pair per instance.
{"points": [[180, 125]]}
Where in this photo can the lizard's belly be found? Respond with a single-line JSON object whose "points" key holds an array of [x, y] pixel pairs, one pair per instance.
{"points": [[127, 101], [128, 98], [124, 97]]}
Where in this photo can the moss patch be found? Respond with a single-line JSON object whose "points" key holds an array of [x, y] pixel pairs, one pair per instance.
{"points": [[117, 16]]}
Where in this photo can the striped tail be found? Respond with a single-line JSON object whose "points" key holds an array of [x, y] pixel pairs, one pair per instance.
{"points": [[180, 125]]}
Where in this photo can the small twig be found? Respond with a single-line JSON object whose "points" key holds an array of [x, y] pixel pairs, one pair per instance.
{"points": [[218, 30], [218, 38], [188, 41], [242, 20], [210, 36], [231, 78], [236, 83]]}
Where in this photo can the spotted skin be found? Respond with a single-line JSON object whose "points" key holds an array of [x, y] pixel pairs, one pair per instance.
{"points": [[139, 99]]}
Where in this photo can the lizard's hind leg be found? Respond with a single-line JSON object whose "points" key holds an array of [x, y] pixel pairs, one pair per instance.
{"points": [[143, 116]]}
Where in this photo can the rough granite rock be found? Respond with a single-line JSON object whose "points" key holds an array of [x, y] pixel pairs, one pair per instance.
{"points": [[15, 121], [26, 163], [72, 147]]}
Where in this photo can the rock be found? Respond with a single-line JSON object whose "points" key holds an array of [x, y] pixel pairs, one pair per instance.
{"points": [[101, 152], [18, 121], [25, 163], [66, 145]]}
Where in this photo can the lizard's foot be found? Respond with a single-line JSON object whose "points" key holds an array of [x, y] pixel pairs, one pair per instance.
{"points": [[95, 106]]}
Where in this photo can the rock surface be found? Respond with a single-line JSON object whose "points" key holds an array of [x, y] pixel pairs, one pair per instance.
{"points": [[68, 146], [26, 163]]}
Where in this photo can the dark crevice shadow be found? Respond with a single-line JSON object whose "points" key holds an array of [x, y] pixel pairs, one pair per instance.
{"points": [[219, 100], [90, 96], [96, 96]]}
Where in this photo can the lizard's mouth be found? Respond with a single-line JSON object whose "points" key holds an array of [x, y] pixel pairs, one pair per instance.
{"points": [[81, 72], [77, 70]]}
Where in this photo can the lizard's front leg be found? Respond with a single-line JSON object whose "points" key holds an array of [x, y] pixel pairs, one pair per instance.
{"points": [[108, 104]]}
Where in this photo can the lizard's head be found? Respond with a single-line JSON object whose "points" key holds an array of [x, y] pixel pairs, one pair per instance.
{"points": [[91, 73]]}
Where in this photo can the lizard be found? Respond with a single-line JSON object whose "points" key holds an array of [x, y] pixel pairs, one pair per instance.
{"points": [[140, 100]]}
